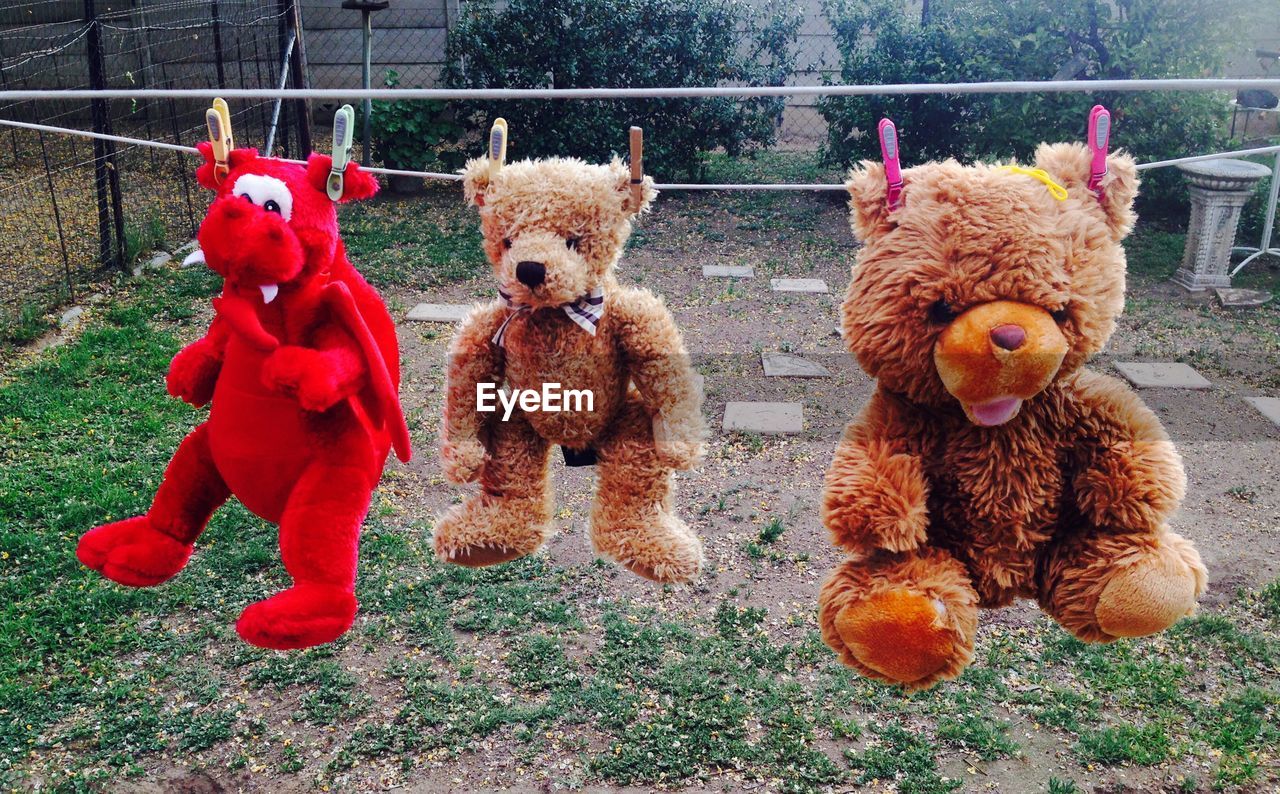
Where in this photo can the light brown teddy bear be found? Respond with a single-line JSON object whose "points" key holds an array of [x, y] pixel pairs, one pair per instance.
{"points": [[554, 230], [989, 464]]}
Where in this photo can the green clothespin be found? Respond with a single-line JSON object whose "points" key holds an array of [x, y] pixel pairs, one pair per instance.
{"points": [[344, 125]]}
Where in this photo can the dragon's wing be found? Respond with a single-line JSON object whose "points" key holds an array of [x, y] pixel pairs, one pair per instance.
{"points": [[380, 399]]}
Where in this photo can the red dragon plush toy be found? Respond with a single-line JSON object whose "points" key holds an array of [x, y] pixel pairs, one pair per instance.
{"points": [[301, 370]]}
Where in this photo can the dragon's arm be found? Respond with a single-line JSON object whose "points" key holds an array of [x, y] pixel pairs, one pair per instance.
{"points": [[194, 370], [318, 377]]}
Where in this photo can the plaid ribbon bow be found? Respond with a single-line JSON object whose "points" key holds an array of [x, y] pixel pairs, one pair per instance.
{"points": [[585, 311]]}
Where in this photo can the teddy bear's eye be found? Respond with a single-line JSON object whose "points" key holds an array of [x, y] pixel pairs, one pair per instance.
{"points": [[572, 243], [941, 313], [506, 242], [1061, 315]]}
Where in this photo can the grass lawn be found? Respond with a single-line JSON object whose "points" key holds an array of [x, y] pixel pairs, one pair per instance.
{"points": [[540, 673]]}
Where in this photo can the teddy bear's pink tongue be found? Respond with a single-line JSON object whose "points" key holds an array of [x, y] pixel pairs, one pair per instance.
{"points": [[995, 412]]}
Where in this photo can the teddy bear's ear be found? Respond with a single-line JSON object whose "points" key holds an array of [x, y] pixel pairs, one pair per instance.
{"points": [[1069, 163], [622, 184], [475, 180], [867, 200]]}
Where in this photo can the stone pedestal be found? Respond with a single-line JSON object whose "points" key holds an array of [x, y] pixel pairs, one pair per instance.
{"points": [[1219, 190]]}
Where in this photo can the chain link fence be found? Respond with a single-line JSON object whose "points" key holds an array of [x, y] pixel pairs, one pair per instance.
{"points": [[71, 207]]}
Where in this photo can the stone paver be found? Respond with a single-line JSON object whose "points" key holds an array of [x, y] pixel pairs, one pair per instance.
{"points": [[439, 312], [728, 271], [1267, 406], [798, 285], [785, 365], [1162, 375], [768, 418], [71, 318], [1236, 298]]}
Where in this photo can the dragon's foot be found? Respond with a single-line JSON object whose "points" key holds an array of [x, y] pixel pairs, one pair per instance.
{"points": [[132, 553], [304, 615]]}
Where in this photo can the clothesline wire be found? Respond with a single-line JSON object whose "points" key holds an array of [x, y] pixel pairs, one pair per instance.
{"points": [[331, 94], [661, 186]]}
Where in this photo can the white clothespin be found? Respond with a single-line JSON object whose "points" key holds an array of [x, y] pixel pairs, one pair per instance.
{"points": [[218, 120], [344, 124], [497, 147]]}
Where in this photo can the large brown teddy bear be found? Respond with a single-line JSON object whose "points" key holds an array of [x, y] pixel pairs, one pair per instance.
{"points": [[554, 230], [989, 464]]}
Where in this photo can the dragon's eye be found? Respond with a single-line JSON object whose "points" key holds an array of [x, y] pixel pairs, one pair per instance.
{"points": [[941, 313], [1061, 315], [572, 243], [271, 194], [506, 242]]}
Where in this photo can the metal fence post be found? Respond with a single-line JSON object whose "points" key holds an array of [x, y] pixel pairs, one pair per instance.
{"points": [[57, 219], [106, 177], [298, 74], [217, 43]]}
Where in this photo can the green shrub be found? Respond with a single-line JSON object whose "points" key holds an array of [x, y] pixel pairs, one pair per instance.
{"points": [[625, 43], [985, 40], [413, 135]]}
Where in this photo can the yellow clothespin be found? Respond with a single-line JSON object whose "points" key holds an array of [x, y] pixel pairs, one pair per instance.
{"points": [[344, 125], [218, 120], [497, 147], [637, 167]]}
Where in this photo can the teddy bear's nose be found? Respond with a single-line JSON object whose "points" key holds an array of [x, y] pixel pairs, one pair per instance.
{"points": [[1009, 337], [531, 274]]}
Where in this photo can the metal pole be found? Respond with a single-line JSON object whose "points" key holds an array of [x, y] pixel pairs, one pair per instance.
{"points": [[275, 111], [298, 71], [217, 44], [57, 218], [365, 78]]}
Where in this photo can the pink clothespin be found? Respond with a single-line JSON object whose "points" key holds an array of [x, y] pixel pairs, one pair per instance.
{"points": [[892, 168], [1099, 137]]}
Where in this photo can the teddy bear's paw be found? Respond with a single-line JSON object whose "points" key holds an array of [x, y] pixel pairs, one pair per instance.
{"points": [[902, 637], [1154, 592], [463, 460], [487, 531], [666, 551], [132, 553], [304, 615]]}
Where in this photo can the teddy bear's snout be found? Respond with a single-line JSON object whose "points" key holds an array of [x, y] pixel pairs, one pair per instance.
{"points": [[539, 268], [1008, 336], [530, 273], [997, 355]]}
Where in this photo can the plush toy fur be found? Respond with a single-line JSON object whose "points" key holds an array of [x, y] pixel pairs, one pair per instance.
{"points": [[989, 465], [300, 367], [569, 221]]}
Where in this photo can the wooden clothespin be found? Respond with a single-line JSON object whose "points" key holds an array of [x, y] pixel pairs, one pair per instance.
{"points": [[892, 165], [637, 167], [218, 119], [344, 124], [1099, 139]]}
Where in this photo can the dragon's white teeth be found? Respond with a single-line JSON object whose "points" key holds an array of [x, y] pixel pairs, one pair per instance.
{"points": [[194, 258], [269, 292]]}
